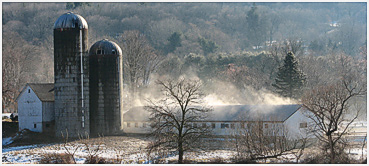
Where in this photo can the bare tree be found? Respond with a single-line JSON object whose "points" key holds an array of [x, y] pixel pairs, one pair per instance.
{"points": [[174, 117], [16, 53], [255, 141], [292, 45], [329, 108], [140, 59]]}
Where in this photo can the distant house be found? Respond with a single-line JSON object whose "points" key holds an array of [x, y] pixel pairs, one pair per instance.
{"points": [[36, 107], [227, 119]]}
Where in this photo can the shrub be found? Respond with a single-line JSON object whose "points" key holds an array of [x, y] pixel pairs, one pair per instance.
{"points": [[54, 158], [95, 160]]}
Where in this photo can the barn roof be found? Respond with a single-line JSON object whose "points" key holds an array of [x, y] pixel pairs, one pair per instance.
{"points": [[44, 91], [276, 113], [136, 114], [231, 113]]}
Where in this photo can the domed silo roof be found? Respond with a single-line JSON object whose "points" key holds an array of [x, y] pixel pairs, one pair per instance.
{"points": [[70, 20], [105, 47]]}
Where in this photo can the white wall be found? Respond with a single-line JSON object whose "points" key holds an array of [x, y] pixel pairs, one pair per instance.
{"points": [[29, 111], [139, 129], [215, 131], [292, 125]]}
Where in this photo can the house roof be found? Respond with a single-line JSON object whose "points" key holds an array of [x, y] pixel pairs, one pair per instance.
{"points": [[229, 113], [44, 91]]}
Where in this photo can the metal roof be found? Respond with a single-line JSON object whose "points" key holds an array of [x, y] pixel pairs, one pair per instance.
{"points": [[44, 91], [106, 47], [70, 20], [138, 114], [266, 113], [231, 113]]}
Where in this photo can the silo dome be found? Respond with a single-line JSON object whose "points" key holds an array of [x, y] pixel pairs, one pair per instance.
{"points": [[105, 47], [70, 20]]}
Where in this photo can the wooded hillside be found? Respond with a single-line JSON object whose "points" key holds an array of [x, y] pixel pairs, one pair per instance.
{"points": [[234, 48]]}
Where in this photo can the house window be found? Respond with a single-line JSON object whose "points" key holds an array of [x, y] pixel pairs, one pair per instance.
{"points": [[266, 126], [224, 125], [303, 125], [128, 124], [232, 126], [194, 125], [213, 125], [47, 125], [34, 125], [203, 125], [113, 52], [136, 124]]}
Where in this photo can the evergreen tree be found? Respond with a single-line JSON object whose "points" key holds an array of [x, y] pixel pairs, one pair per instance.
{"points": [[256, 27], [207, 46], [174, 42], [289, 79]]}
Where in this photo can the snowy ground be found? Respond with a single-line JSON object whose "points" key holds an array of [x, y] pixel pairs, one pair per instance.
{"points": [[122, 149]]}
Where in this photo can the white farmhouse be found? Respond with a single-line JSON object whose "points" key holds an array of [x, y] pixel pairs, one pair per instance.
{"points": [[36, 107], [229, 119]]}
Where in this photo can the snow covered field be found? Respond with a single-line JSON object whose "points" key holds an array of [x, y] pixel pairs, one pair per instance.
{"points": [[123, 149]]}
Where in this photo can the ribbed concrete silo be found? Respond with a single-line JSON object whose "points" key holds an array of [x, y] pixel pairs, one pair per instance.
{"points": [[106, 88], [71, 75]]}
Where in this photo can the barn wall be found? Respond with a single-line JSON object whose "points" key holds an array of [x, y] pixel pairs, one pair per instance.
{"points": [[139, 129], [293, 124], [48, 118], [29, 111], [48, 113]]}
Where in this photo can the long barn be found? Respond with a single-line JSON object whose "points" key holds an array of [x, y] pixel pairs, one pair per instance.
{"points": [[227, 119]]}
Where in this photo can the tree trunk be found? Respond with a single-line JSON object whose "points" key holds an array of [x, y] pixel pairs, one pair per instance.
{"points": [[180, 153], [331, 147]]}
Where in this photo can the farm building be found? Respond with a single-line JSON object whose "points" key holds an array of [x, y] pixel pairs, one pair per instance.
{"points": [[86, 97], [36, 107], [68, 104], [227, 119]]}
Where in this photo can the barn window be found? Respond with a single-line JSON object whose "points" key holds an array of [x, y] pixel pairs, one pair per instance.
{"points": [[128, 125], [303, 125], [29, 90], [34, 125], [224, 125], [243, 125], [266, 126], [213, 125], [136, 124]]}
